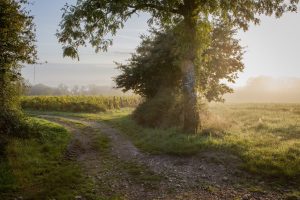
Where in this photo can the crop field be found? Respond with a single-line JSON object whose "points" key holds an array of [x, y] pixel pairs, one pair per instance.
{"points": [[78, 103]]}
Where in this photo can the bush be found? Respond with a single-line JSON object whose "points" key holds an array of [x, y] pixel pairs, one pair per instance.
{"points": [[13, 123], [164, 110]]}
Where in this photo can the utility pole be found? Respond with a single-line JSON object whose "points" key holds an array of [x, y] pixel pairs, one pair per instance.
{"points": [[34, 74]]}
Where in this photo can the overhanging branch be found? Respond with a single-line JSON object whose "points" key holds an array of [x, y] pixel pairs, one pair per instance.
{"points": [[145, 6]]}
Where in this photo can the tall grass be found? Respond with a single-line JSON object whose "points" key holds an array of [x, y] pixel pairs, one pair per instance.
{"points": [[266, 136], [78, 103]]}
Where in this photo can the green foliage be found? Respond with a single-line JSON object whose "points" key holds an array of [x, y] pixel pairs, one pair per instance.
{"points": [[220, 61], [17, 39], [7, 179], [154, 72], [17, 35], [164, 110], [78, 103], [13, 123], [94, 21], [155, 65]]}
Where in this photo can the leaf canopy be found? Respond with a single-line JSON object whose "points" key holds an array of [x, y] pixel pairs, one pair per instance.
{"points": [[17, 46], [155, 67], [96, 21]]}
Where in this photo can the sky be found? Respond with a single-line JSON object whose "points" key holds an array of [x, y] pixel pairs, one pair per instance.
{"points": [[272, 50]]}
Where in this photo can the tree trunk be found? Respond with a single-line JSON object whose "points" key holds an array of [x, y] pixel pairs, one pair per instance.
{"points": [[191, 114]]}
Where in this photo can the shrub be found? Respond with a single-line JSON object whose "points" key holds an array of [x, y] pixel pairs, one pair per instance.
{"points": [[13, 123], [164, 110]]}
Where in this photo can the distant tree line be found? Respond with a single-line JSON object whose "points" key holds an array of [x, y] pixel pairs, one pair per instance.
{"points": [[61, 90]]}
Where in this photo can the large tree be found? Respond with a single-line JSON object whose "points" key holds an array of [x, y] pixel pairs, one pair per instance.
{"points": [[17, 46], [96, 20], [154, 73]]}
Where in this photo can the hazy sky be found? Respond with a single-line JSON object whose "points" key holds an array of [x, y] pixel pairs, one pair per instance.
{"points": [[273, 49]]}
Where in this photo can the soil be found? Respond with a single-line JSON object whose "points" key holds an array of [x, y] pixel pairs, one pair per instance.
{"points": [[210, 175]]}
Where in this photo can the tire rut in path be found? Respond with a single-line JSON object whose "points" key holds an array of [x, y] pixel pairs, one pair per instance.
{"points": [[81, 147]]}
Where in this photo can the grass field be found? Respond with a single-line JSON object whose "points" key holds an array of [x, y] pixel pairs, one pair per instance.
{"points": [[265, 136], [78, 103]]}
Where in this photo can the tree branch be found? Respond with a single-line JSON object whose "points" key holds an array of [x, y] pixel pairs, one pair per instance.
{"points": [[154, 6]]}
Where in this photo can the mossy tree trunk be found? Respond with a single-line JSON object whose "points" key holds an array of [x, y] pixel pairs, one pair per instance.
{"points": [[191, 113]]}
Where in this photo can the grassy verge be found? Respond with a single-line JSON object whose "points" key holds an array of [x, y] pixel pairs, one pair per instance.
{"points": [[35, 167]]}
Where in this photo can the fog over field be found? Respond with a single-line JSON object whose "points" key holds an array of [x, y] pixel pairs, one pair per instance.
{"points": [[264, 89], [71, 74]]}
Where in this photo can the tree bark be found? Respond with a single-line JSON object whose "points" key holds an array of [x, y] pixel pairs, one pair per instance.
{"points": [[191, 113]]}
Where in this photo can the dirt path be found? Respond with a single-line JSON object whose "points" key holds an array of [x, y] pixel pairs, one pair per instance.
{"points": [[209, 175]]}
